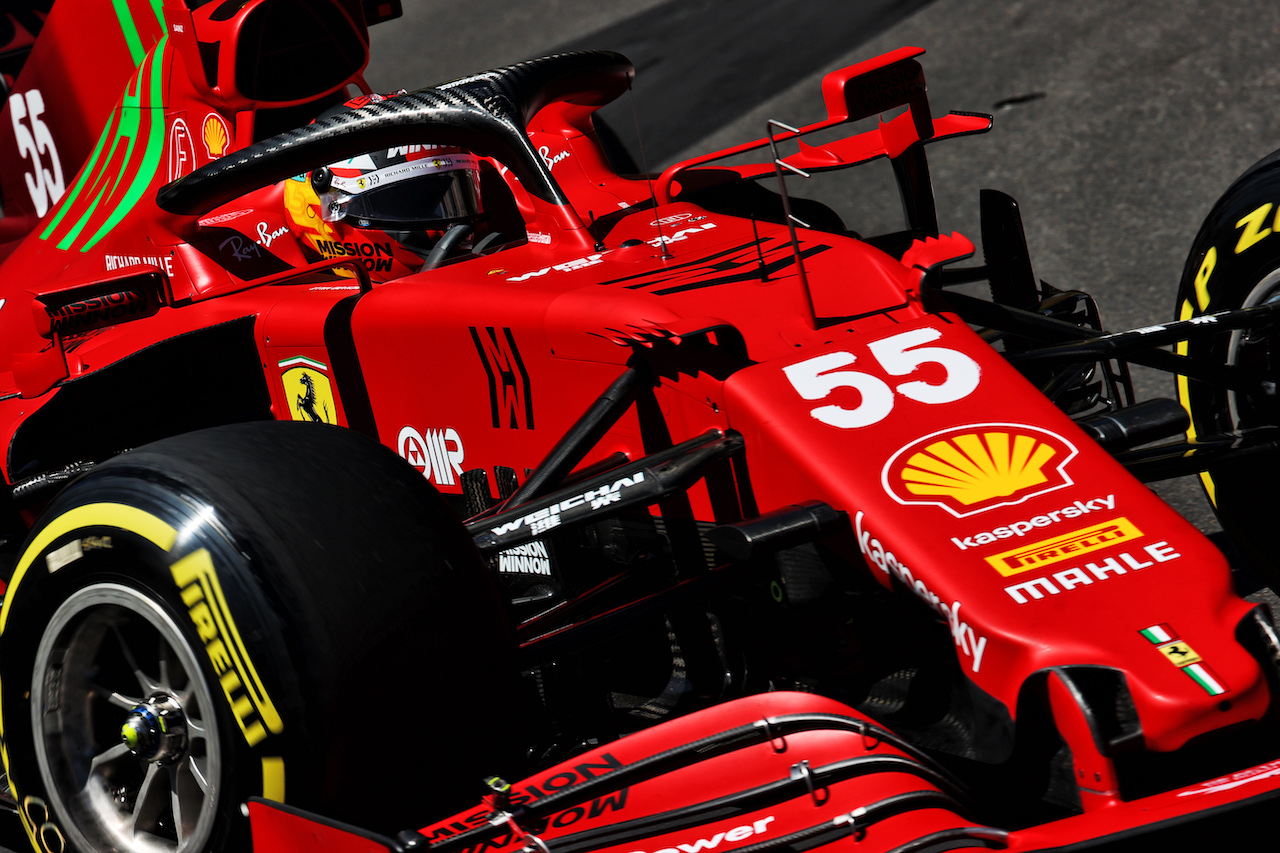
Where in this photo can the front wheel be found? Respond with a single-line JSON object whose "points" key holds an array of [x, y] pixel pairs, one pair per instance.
{"points": [[112, 653], [277, 610], [1235, 263]]}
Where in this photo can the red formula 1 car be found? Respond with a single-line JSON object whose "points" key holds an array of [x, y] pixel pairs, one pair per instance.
{"points": [[775, 535]]}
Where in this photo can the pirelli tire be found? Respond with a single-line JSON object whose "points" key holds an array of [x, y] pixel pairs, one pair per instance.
{"points": [[273, 609], [1235, 262]]}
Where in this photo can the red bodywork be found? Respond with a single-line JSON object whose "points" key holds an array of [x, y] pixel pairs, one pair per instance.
{"points": [[959, 483]]}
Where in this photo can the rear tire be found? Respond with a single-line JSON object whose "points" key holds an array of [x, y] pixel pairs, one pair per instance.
{"points": [[1234, 263], [292, 601]]}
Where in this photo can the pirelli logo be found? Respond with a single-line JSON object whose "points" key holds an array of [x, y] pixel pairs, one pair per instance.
{"points": [[202, 594], [1065, 547]]}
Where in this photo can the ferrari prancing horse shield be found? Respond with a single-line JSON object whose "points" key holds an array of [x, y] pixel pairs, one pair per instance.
{"points": [[307, 388]]}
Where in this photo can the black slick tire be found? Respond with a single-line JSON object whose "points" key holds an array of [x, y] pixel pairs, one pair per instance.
{"points": [[270, 609], [1234, 263]]}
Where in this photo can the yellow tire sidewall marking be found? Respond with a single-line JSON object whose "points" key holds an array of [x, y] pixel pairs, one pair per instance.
{"points": [[156, 531], [122, 517], [119, 516], [201, 592], [273, 778], [1184, 391]]}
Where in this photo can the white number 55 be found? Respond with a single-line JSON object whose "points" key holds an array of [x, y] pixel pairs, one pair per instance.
{"points": [[898, 355], [45, 185]]}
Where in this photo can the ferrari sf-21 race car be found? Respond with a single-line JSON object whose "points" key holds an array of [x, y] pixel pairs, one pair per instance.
{"points": [[626, 513]]}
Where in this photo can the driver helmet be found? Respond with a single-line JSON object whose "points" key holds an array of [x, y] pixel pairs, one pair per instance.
{"points": [[388, 207]]}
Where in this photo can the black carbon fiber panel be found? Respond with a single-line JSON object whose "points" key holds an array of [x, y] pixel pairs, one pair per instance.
{"points": [[486, 113]]}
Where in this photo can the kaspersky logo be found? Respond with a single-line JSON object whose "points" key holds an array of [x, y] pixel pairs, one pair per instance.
{"points": [[971, 469]]}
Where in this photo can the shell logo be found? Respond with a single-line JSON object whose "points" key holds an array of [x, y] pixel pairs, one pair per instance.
{"points": [[215, 134], [971, 469]]}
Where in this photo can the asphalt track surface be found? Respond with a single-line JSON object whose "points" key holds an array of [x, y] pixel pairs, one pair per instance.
{"points": [[1118, 123]]}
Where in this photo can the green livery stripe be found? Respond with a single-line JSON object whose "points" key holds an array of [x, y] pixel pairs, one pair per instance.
{"points": [[133, 38], [130, 30], [151, 155], [126, 129], [157, 9], [90, 167], [123, 164]]}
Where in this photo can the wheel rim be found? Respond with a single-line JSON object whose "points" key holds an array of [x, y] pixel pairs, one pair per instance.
{"points": [[125, 731], [1255, 350]]}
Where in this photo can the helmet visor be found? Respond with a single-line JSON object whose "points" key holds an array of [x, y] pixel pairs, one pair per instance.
{"points": [[416, 194]]}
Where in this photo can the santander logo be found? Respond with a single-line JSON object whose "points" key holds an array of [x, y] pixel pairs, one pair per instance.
{"points": [[738, 833]]}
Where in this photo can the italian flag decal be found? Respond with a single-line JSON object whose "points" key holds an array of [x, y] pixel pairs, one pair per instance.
{"points": [[1159, 633], [1202, 676], [302, 361], [1181, 655]]}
